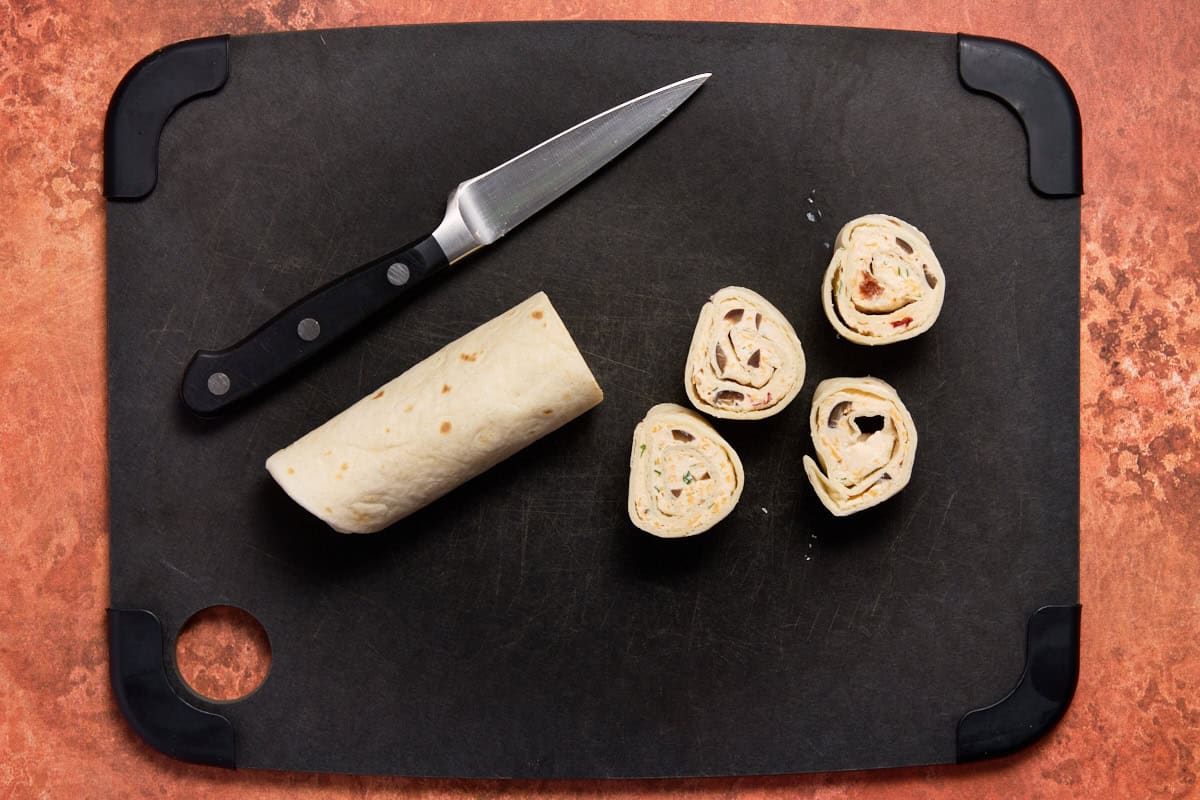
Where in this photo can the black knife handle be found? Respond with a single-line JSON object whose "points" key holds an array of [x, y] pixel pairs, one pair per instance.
{"points": [[216, 379]]}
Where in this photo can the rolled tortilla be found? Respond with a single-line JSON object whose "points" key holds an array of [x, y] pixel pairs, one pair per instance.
{"points": [[683, 477], [865, 440], [883, 284], [459, 412], [745, 361]]}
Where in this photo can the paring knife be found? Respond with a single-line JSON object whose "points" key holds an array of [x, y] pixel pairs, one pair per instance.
{"points": [[479, 212]]}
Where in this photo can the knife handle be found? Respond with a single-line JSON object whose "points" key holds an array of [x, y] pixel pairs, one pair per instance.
{"points": [[216, 379]]}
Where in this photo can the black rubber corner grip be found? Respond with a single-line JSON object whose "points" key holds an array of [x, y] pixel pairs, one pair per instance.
{"points": [[1039, 699], [166, 721], [1037, 92], [143, 101]]}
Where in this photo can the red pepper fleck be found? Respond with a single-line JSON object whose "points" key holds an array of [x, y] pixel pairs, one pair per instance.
{"points": [[869, 287], [902, 323]]}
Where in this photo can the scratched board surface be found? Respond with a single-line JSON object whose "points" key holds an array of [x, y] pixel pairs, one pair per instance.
{"points": [[521, 626]]}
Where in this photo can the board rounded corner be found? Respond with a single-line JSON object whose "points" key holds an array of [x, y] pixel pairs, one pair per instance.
{"points": [[145, 98], [1040, 697], [149, 704], [1029, 85]]}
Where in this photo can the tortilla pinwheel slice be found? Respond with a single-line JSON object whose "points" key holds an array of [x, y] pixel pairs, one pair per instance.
{"points": [[883, 284], [745, 360], [865, 441], [683, 477]]}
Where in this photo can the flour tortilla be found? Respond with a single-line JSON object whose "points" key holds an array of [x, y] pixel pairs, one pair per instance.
{"points": [[683, 477], [745, 360], [883, 284], [459, 412], [859, 469]]}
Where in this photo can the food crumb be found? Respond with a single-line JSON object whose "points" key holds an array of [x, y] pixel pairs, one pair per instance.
{"points": [[468, 356], [345, 466], [547, 411], [378, 395], [445, 388], [291, 471], [537, 315], [408, 408], [388, 429], [764, 510], [445, 427], [328, 510]]}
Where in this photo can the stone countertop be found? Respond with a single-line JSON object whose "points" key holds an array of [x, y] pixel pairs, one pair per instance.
{"points": [[1132, 729]]}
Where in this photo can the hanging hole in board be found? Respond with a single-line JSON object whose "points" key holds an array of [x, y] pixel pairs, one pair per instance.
{"points": [[223, 653]]}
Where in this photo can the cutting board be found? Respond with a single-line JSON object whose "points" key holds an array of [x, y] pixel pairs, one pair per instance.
{"points": [[521, 626]]}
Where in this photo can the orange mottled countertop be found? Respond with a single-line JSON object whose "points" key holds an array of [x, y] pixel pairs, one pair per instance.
{"points": [[1134, 727]]}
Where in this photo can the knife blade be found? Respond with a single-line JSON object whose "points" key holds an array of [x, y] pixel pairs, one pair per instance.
{"points": [[479, 211]]}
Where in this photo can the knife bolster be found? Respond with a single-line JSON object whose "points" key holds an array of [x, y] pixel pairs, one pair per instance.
{"points": [[453, 234]]}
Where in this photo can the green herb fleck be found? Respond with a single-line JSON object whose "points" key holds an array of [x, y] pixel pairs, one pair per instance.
{"points": [[687, 477], [658, 472], [643, 452]]}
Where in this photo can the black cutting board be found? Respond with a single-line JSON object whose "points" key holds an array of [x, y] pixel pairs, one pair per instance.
{"points": [[522, 626]]}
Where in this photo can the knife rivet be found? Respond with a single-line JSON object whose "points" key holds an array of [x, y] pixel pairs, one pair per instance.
{"points": [[398, 274], [218, 383], [308, 329]]}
